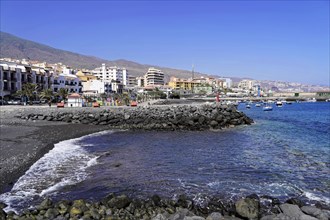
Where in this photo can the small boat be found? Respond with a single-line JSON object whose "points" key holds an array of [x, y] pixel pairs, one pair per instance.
{"points": [[289, 103], [328, 100], [267, 108], [248, 106], [279, 104], [258, 105]]}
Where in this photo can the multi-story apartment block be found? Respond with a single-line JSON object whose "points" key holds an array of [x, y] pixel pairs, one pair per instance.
{"points": [[154, 77], [182, 84], [67, 81], [13, 76], [108, 74], [132, 81], [246, 84], [140, 81]]}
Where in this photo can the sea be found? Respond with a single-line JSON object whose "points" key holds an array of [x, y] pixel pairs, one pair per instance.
{"points": [[284, 154]]}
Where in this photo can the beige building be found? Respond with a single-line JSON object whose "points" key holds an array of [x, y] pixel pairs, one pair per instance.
{"points": [[154, 77]]}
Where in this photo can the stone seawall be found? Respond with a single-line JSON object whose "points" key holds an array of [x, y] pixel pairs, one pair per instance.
{"points": [[183, 117]]}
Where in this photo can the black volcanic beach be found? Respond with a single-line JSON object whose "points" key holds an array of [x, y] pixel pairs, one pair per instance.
{"points": [[23, 142]]}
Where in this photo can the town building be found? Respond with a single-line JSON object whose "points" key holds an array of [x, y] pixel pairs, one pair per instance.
{"points": [[154, 77], [13, 76], [69, 82], [182, 84], [75, 100], [140, 81], [246, 84], [108, 74]]}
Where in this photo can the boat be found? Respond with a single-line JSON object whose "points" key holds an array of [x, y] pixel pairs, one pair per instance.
{"points": [[311, 100], [267, 108], [328, 100], [289, 103], [248, 106], [279, 104], [258, 105]]}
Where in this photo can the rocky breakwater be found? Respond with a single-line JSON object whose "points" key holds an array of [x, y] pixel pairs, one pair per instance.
{"points": [[183, 117], [181, 208]]}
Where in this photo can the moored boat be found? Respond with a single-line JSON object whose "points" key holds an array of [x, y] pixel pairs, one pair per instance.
{"points": [[279, 104], [267, 108]]}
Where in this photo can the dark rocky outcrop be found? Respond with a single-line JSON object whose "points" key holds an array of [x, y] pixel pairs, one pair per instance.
{"points": [[182, 117], [157, 208]]}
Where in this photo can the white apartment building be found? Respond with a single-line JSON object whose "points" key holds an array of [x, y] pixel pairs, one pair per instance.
{"points": [[69, 82], [227, 82], [96, 87], [108, 74], [140, 81], [246, 84], [154, 77], [13, 76]]}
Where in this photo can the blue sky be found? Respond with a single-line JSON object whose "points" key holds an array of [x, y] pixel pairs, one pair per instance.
{"points": [[275, 40]]}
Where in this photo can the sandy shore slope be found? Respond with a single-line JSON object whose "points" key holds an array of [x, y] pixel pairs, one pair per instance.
{"points": [[23, 142]]}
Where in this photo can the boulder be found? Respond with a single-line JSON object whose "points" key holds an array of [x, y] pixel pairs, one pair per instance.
{"points": [[248, 208], [119, 202], [294, 212], [45, 204], [214, 216], [51, 213], [315, 212]]}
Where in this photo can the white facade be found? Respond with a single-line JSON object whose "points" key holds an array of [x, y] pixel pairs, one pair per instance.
{"points": [[246, 84], [154, 77], [108, 74], [96, 87], [67, 81], [227, 82], [13, 76], [75, 100]]}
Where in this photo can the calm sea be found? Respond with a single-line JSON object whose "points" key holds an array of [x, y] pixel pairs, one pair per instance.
{"points": [[284, 154]]}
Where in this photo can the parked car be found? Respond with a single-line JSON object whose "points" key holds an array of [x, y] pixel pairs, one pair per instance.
{"points": [[14, 102], [3, 102]]}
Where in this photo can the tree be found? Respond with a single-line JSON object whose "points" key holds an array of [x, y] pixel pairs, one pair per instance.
{"points": [[63, 93], [28, 91], [47, 94]]}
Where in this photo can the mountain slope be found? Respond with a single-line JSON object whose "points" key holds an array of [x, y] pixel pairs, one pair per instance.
{"points": [[18, 48]]}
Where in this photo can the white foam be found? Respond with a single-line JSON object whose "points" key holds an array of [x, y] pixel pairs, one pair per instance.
{"points": [[315, 197], [64, 165]]}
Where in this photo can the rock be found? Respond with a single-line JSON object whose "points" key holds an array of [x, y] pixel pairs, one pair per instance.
{"points": [[248, 208], [214, 216], [119, 202], [51, 213], [75, 211], [295, 201], [315, 212], [159, 217], [45, 204], [294, 212], [193, 218], [2, 214], [156, 200]]}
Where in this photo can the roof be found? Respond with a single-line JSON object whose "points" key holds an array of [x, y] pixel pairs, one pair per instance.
{"points": [[74, 95]]}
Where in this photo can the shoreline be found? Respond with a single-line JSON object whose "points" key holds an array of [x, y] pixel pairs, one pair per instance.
{"points": [[23, 142]]}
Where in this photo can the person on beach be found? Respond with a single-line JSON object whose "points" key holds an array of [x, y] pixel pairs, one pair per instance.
{"points": [[49, 103]]}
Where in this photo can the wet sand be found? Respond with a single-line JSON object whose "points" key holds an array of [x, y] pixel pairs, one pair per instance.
{"points": [[23, 142]]}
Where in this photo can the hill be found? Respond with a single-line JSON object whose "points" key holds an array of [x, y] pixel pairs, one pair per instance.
{"points": [[18, 48]]}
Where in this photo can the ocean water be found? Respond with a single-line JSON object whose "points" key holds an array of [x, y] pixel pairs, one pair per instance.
{"points": [[285, 154]]}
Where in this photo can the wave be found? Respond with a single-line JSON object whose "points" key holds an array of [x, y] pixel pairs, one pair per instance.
{"points": [[62, 166]]}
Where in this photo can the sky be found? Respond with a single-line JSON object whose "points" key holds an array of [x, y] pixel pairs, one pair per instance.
{"points": [[266, 40]]}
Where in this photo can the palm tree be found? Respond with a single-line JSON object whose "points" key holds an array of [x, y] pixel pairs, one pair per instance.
{"points": [[47, 94], [63, 93], [28, 91]]}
